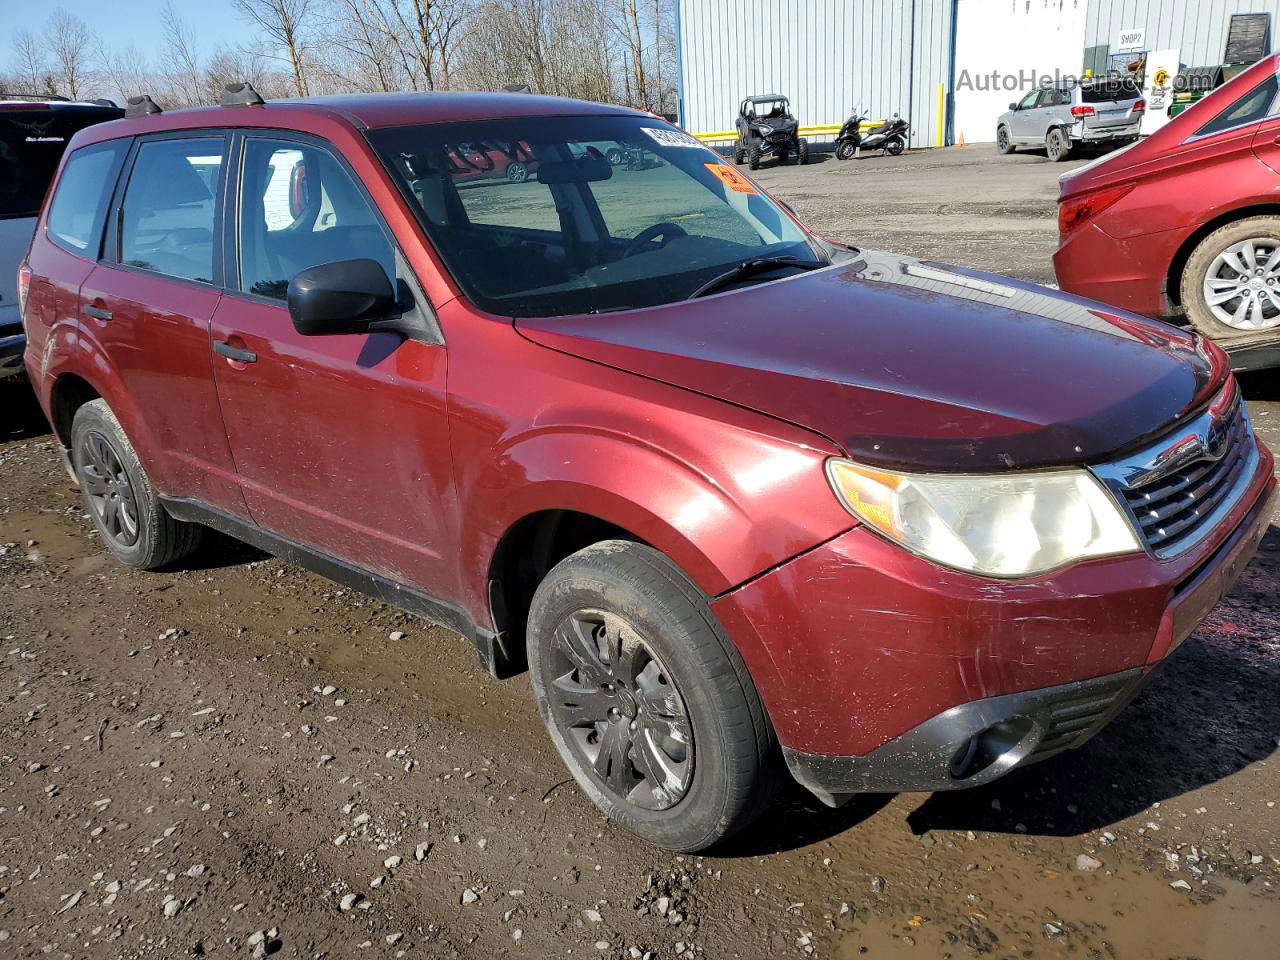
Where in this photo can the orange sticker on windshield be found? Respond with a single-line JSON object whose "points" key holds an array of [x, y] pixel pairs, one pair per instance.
{"points": [[732, 179]]}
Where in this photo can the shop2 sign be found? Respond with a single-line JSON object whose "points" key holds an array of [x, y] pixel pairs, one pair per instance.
{"points": [[1131, 40]]}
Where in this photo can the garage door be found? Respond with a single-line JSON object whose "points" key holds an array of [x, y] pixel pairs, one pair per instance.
{"points": [[1018, 39]]}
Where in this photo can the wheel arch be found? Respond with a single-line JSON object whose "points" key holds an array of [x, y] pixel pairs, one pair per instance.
{"points": [[1178, 265], [69, 393]]}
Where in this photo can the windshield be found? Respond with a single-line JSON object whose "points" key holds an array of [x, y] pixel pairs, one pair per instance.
{"points": [[31, 144], [545, 216]]}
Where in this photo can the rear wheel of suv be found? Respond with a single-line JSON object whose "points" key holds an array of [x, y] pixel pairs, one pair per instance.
{"points": [[1057, 146], [1231, 283], [646, 699], [753, 156], [1004, 143], [802, 151], [130, 518]]}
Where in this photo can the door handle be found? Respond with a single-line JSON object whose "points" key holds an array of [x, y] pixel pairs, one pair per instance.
{"points": [[224, 349], [97, 312]]}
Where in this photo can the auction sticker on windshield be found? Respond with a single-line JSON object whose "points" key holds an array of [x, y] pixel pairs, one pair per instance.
{"points": [[672, 138], [732, 179]]}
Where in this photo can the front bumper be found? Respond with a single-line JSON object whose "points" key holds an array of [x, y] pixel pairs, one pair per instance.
{"points": [[884, 672]]}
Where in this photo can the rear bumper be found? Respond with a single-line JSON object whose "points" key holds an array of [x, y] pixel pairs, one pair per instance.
{"points": [[1086, 134], [1131, 274], [12, 343], [884, 672]]}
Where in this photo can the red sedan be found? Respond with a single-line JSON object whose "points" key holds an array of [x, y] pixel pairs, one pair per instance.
{"points": [[1187, 222]]}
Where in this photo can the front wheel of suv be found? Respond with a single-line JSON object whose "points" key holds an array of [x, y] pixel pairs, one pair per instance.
{"points": [[739, 154], [1057, 145], [128, 515], [802, 151], [1004, 143], [646, 699], [753, 156]]}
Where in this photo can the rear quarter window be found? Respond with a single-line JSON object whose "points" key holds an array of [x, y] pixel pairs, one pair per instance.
{"points": [[1254, 107], [81, 196]]}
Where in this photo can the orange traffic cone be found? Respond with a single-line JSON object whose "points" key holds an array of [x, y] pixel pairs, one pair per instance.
{"points": [[960, 142]]}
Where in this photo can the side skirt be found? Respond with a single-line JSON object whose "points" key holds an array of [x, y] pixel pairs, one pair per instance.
{"points": [[493, 651]]}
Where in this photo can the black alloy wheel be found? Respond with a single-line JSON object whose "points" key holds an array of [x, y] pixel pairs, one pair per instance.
{"points": [[107, 488], [617, 705]]}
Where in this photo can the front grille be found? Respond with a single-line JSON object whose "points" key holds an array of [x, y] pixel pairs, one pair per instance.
{"points": [[1075, 716], [1176, 491]]}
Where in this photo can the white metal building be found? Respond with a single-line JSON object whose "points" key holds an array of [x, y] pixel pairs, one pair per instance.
{"points": [[908, 56]]}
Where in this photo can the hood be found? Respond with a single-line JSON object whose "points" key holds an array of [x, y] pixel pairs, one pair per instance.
{"points": [[916, 365], [1146, 154]]}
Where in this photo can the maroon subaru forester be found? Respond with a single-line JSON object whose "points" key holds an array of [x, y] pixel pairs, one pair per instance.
{"points": [[735, 495]]}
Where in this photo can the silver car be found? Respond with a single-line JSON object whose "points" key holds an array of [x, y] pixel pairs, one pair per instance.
{"points": [[1067, 115], [34, 131]]}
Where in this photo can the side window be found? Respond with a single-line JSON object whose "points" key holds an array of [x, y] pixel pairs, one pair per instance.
{"points": [[300, 208], [1255, 106], [169, 210], [83, 192], [1029, 101]]}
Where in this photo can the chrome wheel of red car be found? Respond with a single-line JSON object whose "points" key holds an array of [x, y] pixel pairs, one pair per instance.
{"points": [[617, 704], [517, 172], [1242, 285]]}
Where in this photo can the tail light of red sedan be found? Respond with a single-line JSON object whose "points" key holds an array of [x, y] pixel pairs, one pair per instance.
{"points": [[1077, 210], [24, 287]]}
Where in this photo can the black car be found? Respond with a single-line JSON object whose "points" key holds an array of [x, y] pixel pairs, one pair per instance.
{"points": [[766, 126], [33, 133]]}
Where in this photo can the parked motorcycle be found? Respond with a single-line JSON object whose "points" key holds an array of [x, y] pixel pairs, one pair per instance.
{"points": [[850, 136], [891, 137]]}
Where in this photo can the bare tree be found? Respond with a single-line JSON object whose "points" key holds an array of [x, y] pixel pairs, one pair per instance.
{"points": [[31, 69], [71, 46], [184, 70], [285, 22]]}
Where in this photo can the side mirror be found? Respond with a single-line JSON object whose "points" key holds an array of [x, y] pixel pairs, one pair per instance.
{"points": [[1013, 106], [347, 296]]}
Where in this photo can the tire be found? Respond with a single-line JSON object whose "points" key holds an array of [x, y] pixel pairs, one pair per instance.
{"points": [[753, 156], [845, 150], [1262, 235], [1004, 143], [687, 678], [739, 154], [802, 151], [517, 172], [1057, 146], [118, 494], [615, 157], [895, 147]]}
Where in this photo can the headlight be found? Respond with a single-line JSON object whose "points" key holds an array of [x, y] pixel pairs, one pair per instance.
{"points": [[765, 131], [1011, 525]]}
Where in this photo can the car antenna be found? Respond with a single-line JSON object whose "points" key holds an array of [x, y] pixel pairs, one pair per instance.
{"points": [[141, 105], [241, 95]]}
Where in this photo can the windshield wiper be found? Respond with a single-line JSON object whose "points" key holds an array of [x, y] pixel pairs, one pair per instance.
{"points": [[749, 268]]}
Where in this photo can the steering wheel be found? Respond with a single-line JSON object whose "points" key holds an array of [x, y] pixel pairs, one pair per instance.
{"points": [[668, 230]]}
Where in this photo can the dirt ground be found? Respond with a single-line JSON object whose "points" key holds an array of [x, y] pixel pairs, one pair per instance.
{"points": [[239, 758]]}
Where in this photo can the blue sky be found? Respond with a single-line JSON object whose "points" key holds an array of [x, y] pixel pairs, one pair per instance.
{"points": [[133, 21]]}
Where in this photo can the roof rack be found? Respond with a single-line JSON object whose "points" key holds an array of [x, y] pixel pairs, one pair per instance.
{"points": [[141, 106], [241, 95], [35, 97], [517, 88]]}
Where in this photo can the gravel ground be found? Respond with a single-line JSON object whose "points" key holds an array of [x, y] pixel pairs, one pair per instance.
{"points": [[238, 758]]}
